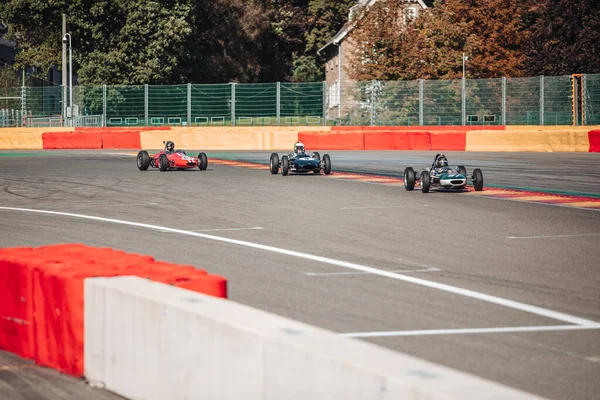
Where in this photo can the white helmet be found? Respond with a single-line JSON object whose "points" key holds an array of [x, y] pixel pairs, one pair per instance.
{"points": [[298, 147]]}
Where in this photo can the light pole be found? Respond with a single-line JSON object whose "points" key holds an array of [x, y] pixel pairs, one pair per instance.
{"points": [[464, 92], [70, 74]]}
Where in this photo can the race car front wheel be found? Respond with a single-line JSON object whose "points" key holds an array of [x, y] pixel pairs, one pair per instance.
{"points": [[477, 180], [202, 161], [285, 165], [163, 163], [274, 163], [409, 178], [143, 160], [326, 164], [425, 181]]}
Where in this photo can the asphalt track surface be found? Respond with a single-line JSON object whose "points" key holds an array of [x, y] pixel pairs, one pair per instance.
{"points": [[409, 271]]}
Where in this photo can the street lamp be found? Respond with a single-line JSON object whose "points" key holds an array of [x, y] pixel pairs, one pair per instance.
{"points": [[464, 58], [64, 39], [464, 92]]}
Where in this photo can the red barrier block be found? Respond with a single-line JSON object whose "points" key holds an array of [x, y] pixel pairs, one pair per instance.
{"points": [[42, 299], [72, 140], [390, 140], [124, 139], [594, 138], [448, 141], [332, 141]]}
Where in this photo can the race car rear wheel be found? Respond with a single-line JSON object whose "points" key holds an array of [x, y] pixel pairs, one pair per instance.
{"points": [[202, 161], [477, 179], [143, 160], [462, 170], [274, 163], [326, 164], [316, 155], [285, 165], [163, 162], [425, 181], [409, 178]]}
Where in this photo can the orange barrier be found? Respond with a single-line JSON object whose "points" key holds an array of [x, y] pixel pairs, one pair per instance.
{"points": [[332, 140], [42, 299], [448, 141], [121, 139], [386, 140], [594, 139], [72, 140]]}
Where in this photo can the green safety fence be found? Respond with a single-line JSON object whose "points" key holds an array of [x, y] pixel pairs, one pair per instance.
{"points": [[502, 101]]}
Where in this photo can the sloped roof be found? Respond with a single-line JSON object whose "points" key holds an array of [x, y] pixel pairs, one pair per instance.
{"points": [[347, 28]]}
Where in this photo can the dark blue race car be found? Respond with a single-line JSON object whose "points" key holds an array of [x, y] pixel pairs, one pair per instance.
{"points": [[441, 175], [300, 162]]}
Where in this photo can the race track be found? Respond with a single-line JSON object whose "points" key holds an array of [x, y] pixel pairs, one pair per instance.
{"points": [[506, 290]]}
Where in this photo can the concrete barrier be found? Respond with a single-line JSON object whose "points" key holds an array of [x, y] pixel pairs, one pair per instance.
{"points": [[25, 138], [226, 138], [531, 138], [42, 302], [253, 138], [146, 340]]}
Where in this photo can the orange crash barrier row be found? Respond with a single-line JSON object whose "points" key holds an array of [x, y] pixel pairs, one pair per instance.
{"points": [[42, 299]]}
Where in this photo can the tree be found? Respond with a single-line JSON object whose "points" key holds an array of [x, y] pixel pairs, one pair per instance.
{"points": [[324, 19], [565, 38], [492, 33], [379, 39]]}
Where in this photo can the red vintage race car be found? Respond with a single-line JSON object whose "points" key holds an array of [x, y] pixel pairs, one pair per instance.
{"points": [[176, 160]]}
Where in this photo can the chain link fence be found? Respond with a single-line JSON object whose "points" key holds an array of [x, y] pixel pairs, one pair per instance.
{"points": [[560, 100]]}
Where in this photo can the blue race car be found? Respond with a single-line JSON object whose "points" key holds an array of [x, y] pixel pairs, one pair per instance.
{"points": [[440, 175], [300, 162]]}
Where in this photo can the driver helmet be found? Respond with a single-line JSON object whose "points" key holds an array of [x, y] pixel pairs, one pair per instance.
{"points": [[299, 147], [442, 161], [170, 146]]}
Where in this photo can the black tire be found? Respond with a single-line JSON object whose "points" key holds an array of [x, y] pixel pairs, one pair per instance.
{"points": [[409, 178], [316, 155], [462, 170], [163, 162], [274, 163], [143, 160], [477, 180], [202, 161], [326, 164], [285, 165], [425, 181]]}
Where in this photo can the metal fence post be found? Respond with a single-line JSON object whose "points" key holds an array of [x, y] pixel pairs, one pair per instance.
{"points": [[464, 101], [504, 100], [421, 101], [232, 103], [103, 105], [146, 103], [583, 99], [189, 104], [278, 103], [372, 103], [324, 103], [542, 100]]}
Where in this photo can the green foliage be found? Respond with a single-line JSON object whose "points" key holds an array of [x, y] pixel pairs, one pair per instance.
{"points": [[565, 38], [8, 77]]}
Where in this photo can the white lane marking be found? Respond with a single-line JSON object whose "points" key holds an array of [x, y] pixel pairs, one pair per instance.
{"points": [[357, 267], [113, 205], [552, 236], [222, 229], [375, 207], [471, 331], [402, 271]]}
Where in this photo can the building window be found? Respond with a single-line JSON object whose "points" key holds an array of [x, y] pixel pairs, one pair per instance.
{"points": [[334, 94]]}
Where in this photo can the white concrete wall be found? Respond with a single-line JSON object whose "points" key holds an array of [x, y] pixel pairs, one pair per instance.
{"points": [[147, 340]]}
